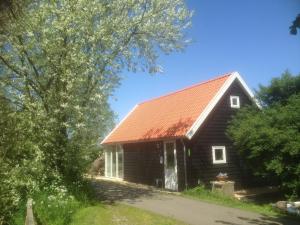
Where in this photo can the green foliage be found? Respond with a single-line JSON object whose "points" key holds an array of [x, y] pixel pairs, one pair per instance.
{"points": [[269, 139], [19, 216], [56, 204], [55, 207], [19, 161], [9, 9], [279, 90], [61, 60], [295, 25], [59, 63]]}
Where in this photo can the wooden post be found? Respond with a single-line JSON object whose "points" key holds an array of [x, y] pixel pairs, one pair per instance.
{"points": [[29, 214]]}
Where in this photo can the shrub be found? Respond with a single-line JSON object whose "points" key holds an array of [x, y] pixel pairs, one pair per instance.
{"points": [[55, 206], [269, 139]]}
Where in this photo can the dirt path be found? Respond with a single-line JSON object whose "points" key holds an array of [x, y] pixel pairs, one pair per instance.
{"points": [[190, 211]]}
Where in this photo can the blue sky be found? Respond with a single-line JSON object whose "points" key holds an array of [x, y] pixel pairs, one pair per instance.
{"points": [[251, 37]]}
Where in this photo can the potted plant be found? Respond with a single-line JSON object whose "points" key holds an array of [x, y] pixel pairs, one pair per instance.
{"points": [[222, 177]]}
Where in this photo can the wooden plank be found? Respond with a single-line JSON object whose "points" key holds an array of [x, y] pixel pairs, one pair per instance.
{"points": [[29, 213]]}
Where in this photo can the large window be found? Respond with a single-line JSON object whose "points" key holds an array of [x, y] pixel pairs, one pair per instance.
{"points": [[114, 161]]}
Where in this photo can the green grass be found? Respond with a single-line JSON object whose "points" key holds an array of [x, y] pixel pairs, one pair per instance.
{"points": [[19, 216], [53, 210], [119, 214], [217, 198]]}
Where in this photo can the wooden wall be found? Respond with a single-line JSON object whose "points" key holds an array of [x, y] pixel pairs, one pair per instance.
{"points": [[213, 133], [142, 162]]}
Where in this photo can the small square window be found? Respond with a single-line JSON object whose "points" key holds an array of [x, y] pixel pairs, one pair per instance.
{"points": [[235, 101], [219, 154]]}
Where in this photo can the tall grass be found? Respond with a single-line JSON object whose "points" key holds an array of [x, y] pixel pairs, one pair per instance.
{"points": [[56, 205], [54, 209]]}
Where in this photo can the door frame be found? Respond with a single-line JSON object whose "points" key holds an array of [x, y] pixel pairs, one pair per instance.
{"points": [[175, 163]]}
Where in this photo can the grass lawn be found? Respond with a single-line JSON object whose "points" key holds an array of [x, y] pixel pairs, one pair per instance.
{"points": [[217, 198], [118, 214]]}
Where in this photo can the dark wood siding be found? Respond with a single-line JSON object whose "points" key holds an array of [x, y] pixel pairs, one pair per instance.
{"points": [[142, 162], [213, 133]]}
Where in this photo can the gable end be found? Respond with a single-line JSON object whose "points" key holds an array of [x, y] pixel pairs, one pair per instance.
{"points": [[200, 120]]}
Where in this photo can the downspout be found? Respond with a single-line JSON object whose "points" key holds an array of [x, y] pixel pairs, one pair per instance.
{"points": [[184, 162]]}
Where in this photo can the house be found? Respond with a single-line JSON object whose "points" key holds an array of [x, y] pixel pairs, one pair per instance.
{"points": [[179, 139]]}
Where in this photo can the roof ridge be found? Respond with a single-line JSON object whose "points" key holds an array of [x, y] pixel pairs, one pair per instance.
{"points": [[186, 88]]}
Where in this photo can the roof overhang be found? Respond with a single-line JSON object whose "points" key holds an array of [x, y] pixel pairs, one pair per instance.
{"points": [[102, 142]]}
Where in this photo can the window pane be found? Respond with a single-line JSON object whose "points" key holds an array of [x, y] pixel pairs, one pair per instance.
{"points": [[120, 164], [219, 154], [108, 161], [234, 101], [114, 163], [170, 155], [105, 163]]}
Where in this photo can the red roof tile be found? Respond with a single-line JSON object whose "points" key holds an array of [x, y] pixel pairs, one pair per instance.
{"points": [[168, 116]]}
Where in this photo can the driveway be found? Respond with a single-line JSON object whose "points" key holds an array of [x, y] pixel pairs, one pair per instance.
{"points": [[190, 211]]}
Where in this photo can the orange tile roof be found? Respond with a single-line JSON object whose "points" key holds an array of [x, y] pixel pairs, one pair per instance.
{"points": [[168, 116]]}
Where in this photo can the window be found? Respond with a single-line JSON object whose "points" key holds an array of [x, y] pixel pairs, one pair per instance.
{"points": [[170, 155], [219, 154], [108, 163], [120, 163], [235, 101], [114, 162]]}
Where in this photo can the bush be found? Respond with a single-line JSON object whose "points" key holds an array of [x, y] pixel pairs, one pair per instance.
{"points": [[9, 196], [55, 208], [269, 139], [56, 204]]}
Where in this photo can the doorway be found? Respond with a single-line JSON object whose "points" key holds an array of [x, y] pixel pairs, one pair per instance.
{"points": [[170, 164]]}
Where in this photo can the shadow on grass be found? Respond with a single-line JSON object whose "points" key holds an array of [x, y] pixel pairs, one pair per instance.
{"points": [[110, 192], [266, 198]]}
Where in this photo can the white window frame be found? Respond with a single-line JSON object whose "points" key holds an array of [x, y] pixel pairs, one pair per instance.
{"points": [[215, 161], [115, 150], [237, 98]]}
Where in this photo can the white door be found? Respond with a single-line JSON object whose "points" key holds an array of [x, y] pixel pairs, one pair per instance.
{"points": [[171, 181]]}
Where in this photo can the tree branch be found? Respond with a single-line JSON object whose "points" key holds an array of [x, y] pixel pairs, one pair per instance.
{"points": [[30, 82], [28, 58], [15, 70]]}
